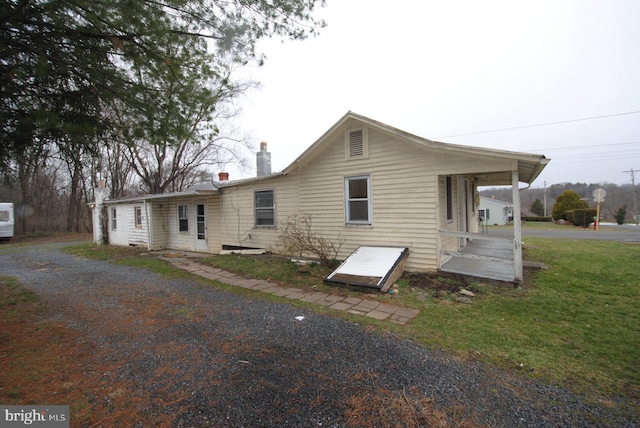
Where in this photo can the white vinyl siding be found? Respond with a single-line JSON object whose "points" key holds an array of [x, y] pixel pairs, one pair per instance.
{"points": [[161, 229], [127, 232], [403, 197], [406, 197], [236, 219], [407, 204], [167, 228]]}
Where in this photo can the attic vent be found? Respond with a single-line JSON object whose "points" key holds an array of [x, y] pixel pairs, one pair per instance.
{"points": [[356, 144]]}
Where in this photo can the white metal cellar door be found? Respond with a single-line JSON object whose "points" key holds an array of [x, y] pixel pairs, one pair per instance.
{"points": [[373, 267]]}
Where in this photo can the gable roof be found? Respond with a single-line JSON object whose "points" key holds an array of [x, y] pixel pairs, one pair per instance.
{"points": [[487, 200], [529, 165]]}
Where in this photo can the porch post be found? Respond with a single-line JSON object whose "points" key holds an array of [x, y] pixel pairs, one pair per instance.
{"points": [[517, 227]]}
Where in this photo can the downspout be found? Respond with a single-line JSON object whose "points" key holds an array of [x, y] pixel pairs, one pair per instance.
{"points": [[146, 213]]}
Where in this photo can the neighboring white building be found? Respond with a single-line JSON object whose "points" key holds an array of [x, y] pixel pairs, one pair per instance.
{"points": [[364, 183], [495, 212], [7, 221]]}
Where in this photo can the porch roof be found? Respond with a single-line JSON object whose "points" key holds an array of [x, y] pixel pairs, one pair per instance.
{"points": [[198, 191], [213, 188], [528, 171]]}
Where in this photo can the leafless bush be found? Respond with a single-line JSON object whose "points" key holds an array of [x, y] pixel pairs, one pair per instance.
{"points": [[298, 237], [412, 409]]}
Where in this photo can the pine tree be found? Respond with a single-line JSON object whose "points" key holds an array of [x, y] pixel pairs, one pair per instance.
{"points": [[621, 215], [537, 208], [67, 67]]}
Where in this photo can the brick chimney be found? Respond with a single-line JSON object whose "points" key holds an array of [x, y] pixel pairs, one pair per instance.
{"points": [[263, 160], [223, 176]]}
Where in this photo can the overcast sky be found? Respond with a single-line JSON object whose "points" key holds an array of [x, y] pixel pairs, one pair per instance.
{"points": [[480, 73]]}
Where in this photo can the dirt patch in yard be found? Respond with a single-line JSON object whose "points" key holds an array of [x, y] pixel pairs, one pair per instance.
{"points": [[433, 281]]}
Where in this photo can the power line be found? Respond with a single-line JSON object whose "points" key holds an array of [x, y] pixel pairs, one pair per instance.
{"points": [[539, 124], [601, 153], [565, 161], [584, 147]]}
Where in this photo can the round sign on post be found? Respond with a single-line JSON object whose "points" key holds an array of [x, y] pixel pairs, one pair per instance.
{"points": [[599, 194]]}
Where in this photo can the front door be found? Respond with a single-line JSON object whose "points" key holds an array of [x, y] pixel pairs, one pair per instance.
{"points": [[201, 227]]}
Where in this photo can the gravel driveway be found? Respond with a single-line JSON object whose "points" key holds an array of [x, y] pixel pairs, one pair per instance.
{"points": [[210, 357]]}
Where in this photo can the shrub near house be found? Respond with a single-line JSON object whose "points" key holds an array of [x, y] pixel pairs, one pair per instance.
{"points": [[581, 217]]}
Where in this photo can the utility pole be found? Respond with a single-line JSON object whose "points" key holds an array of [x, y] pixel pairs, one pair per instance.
{"points": [[635, 192], [545, 198]]}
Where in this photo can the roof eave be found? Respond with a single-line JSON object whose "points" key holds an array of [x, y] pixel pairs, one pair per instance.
{"points": [[155, 196], [537, 169]]}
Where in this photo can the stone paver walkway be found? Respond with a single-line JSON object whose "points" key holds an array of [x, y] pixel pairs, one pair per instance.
{"points": [[353, 305]]}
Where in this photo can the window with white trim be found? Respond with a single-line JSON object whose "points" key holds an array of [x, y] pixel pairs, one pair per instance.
{"points": [[138, 217], [114, 222], [183, 218], [265, 208], [357, 144], [357, 191]]}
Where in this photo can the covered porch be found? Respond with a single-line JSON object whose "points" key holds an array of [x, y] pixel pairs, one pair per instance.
{"points": [[493, 258]]}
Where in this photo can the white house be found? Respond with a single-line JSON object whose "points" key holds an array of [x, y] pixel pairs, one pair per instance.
{"points": [[495, 212], [363, 182]]}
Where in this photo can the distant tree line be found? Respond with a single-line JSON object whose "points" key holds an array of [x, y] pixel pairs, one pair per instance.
{"points": [[618, 204]]}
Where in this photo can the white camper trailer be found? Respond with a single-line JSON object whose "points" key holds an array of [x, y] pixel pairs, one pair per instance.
{"points": [[6, 221]]}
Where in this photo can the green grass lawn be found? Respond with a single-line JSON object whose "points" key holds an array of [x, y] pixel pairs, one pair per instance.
{"points": [[576, 323]]}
